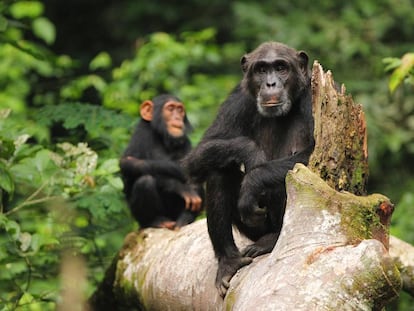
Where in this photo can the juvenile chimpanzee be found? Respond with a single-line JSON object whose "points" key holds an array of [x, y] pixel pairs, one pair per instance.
{"points": [[157, 191], [263, 128]]}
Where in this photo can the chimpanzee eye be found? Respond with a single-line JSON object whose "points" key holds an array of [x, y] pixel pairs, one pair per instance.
{"points": [[260, 68], [281, 66], [180, 109]]}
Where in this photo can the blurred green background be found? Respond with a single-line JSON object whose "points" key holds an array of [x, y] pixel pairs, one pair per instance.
{"points": [[72, 74]]}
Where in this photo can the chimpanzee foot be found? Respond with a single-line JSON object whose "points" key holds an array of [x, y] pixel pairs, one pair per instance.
{"points": [[227, 267], [169, 224], [253, 251]]}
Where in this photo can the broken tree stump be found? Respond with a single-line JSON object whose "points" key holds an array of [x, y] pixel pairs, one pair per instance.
{"points": [[340, 156]]}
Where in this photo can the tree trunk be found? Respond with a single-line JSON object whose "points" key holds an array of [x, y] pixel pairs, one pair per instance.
{"points": [[332, 252]]}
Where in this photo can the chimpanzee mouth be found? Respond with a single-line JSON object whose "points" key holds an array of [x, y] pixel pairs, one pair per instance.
{"points": [[271, 104], [178, 126]]}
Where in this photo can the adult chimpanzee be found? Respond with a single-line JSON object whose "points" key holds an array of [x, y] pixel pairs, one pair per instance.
{"points": [[157, 191], [263, 128]]}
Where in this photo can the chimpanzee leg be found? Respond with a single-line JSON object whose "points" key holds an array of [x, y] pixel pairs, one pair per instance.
{"points": [[145, 202], [222, 194], [174, 207], [274, 203], [185, 218]]}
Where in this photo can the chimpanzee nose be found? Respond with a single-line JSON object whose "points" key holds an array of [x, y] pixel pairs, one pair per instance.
{"points": [[271, 84]]}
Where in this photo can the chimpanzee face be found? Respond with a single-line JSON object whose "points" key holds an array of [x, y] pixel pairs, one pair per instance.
{"points": [[166, 113], [274, 75], [173, 114], [272, 91]]}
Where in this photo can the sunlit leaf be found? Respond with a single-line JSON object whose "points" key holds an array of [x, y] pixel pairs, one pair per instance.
{"points": [[116, 182], [101, 61], [42, 160], [402, 71], [44, 29], [109, 166], [391, 63], [81, 221], [23, 9]]}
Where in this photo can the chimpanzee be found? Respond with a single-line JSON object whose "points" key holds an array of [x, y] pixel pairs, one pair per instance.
{"points": [[263, 128], [157, 191]]}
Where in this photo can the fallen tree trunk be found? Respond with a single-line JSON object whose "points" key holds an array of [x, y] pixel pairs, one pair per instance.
{"points": [[320, 260], [332, 251]]}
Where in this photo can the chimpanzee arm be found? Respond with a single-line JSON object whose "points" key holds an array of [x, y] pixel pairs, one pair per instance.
{"points": [[217, 154], [268, 175], [191, 193], [132, 168]]}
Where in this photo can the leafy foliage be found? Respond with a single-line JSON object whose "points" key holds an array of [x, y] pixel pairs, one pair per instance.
{"points": [[37, 222]]}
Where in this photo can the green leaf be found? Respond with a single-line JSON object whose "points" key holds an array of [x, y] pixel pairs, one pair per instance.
{"points": [[101, 61], [42, 160], [7, 148], [44, 29], [115, 182], [402, 71], [12, 228], [109, 166], [29, 9], [391, 63], [35, 170], [6, 180], [13, 269], [35, 242], [81, 221]]}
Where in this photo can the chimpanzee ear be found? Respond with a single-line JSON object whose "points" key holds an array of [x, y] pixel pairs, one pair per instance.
{"points": [[303, 61], [243, 63], [146, 109]]}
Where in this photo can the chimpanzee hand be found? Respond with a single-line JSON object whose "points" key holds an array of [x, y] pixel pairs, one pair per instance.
{"points": [[192, 200], [252, 211], [227, 267], [252, 214]]}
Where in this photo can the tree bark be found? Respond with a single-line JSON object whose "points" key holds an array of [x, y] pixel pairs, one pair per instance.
{"points": [[340, 156], [332, 252], [403, 255]]}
